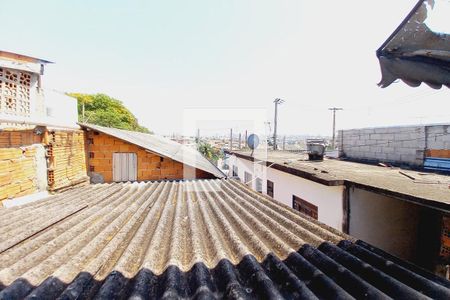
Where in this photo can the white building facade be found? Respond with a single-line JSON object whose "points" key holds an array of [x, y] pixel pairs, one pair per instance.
{"points": [[24, 102], [322, 202]]}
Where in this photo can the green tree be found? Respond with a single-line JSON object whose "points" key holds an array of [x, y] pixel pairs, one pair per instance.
{"points": [[208, 151], [100, 109]]}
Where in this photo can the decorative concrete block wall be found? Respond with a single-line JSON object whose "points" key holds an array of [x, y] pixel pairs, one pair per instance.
{"points": [[402, 145]]}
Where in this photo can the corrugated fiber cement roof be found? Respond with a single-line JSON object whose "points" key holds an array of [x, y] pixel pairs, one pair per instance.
{"points": [[202, 239]]}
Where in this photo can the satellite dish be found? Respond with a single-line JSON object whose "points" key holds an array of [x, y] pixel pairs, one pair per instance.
{"points": [[253, 141]]}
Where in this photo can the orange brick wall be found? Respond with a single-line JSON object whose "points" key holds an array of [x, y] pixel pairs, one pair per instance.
{"points": [[17, 172], [439, 153], [18, 138], [67, 158], [150, 166], [66, 153]]}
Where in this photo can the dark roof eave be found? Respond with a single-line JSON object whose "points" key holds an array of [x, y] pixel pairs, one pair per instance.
{"points": [[414, 53], [414, 70], [444, 207]]}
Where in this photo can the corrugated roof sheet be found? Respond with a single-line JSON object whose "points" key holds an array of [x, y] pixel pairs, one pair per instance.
{"points": [[191, 239], [21, 57], [414, 52], [161, 146]]}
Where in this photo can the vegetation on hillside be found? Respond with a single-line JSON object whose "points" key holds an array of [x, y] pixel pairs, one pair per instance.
{"points": [[100, 109]]}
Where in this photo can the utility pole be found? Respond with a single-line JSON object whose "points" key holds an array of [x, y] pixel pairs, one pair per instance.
{"points": [[198, 135], [246, 137], [231, 139], [239, 141], [82, 111], [277, 101], [284, 143], [334, 109]]}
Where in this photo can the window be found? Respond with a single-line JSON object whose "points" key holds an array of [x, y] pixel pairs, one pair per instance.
{"points": [[270, 188], [258, 185], [248, 179], [235, 171], [305, 207]]}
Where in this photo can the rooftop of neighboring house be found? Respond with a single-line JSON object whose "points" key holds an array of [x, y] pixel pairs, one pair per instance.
{"points": [[22, 62], [423, 187], [161, 146], [190, 239]]}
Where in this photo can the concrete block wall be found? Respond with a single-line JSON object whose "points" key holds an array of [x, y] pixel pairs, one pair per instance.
{"points": [[438, 141], [403, 145], [150, 165]]}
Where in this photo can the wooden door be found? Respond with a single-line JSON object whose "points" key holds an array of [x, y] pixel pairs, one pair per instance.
{"points": [[124, 167]]}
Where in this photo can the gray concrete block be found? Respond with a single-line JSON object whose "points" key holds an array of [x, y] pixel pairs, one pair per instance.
{"points": [[401, 136], [388, 150], [410, 144], [408, 158], [436, 145], [405, 151], [381, 130], [381, 156], [393, 156]]}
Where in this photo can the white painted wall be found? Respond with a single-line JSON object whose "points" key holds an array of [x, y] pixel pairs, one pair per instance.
{"points": [[385, 222], [328, 199], [47, 107], [61, 110]]}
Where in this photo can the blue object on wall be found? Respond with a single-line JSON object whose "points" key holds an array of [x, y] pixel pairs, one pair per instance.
{"points": [[441, 164]]}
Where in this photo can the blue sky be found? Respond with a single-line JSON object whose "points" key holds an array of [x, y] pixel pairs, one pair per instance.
{"points": [[162, 57]]}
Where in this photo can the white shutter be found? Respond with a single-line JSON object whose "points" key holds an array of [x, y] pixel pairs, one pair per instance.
{"points": [[124, 167]]}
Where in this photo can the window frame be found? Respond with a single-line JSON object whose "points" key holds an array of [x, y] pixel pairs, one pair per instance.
{"points": [[305, 207], [258, 185], [235, 171], [270, 188], [248, 177]]}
